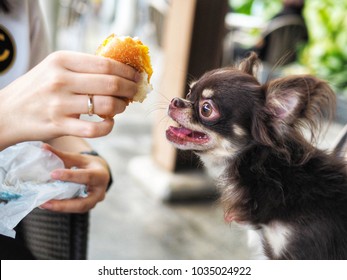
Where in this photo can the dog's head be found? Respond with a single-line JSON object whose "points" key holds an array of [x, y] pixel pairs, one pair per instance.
{"points": [[228, 109]]}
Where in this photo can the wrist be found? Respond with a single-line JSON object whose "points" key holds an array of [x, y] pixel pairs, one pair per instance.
{"points": [[91, 153], [96, 154]]}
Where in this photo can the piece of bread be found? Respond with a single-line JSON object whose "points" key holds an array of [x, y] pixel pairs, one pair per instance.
{"points": [[133, 52]]}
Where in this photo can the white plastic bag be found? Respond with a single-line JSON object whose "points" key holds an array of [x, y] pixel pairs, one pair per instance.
{"points": [[25, 183]]}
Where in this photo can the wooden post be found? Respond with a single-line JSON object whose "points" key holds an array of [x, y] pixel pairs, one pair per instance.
{"points": [[192, 45]]}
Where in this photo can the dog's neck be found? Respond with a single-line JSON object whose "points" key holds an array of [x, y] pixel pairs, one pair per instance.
{"points": [[215, 166], [218, 159]]}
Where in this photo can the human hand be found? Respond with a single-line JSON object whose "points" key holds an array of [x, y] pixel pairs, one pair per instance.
{"points": [[91, 171], [46, 102]]}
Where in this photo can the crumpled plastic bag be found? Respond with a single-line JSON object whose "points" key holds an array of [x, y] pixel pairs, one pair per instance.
{"points": [[25, 183]]}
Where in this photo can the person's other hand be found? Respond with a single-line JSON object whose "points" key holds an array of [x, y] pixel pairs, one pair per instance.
{"points": [[83, 169]]}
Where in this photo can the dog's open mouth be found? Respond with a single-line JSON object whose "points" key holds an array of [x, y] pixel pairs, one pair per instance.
{"points": [[181, 135]]}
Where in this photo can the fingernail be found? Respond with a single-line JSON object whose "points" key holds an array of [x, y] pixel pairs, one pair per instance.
{"points": [[55, 175], [47, 206]]}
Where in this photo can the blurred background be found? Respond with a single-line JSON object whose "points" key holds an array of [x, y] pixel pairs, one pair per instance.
{"points": [[162, 205]]}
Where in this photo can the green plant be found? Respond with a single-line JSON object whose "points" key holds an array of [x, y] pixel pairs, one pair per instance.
{"points": [[326, 52], [262, 8]]}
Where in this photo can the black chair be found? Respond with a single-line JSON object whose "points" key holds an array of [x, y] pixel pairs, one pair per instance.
{"points": [[278, 44], [55, 236], [282, 39]]}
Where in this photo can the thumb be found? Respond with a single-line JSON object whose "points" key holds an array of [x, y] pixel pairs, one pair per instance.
{"points": [[70, 159]]}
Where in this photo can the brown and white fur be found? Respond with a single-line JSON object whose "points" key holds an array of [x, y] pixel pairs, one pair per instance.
{"points": [[270, 176]]}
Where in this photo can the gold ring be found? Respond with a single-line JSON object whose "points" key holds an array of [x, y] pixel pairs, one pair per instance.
{"points": [[90, 105]]}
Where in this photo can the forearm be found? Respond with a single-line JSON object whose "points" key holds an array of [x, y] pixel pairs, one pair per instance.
{"points": [[10, 121]]}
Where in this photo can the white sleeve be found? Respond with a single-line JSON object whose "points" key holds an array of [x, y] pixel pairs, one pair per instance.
{"points": [[25, 31]]}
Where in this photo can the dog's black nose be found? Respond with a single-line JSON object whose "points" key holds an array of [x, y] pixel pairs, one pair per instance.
{"points": [[179, 103]]}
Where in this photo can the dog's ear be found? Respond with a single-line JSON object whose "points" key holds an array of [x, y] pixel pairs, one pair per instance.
{"points": [[250, 64], [294, 101]]}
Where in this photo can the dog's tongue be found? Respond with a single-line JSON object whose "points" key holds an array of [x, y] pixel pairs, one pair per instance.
{"points": [[184, 131], [180, 131], [186, 135]]}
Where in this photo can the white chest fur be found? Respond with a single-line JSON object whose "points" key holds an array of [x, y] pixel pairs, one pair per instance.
{"points": [[277, 234]]}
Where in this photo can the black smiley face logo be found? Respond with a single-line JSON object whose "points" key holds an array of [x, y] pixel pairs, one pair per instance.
{"points": [[7, 50]]}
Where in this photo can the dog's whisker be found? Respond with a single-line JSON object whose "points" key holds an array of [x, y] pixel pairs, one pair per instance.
{"points": [[190, 78], [163, 96], [163, 119]]}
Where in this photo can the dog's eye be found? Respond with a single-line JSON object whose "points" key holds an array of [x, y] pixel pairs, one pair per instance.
{"points": [[208, 111]]}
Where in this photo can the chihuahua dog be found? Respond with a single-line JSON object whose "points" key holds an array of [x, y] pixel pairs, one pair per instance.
{"points": [[271, 176]]}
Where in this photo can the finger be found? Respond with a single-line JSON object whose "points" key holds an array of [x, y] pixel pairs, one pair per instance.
{"points": [[80, 176], [98, 176], [86, 129], [99, 84], [102, 105], [110, 106], [87, 63], [70, 159], [76, 205]]}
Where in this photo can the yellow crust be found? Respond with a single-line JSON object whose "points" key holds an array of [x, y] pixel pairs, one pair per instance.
{"points": [[129, 51]]}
